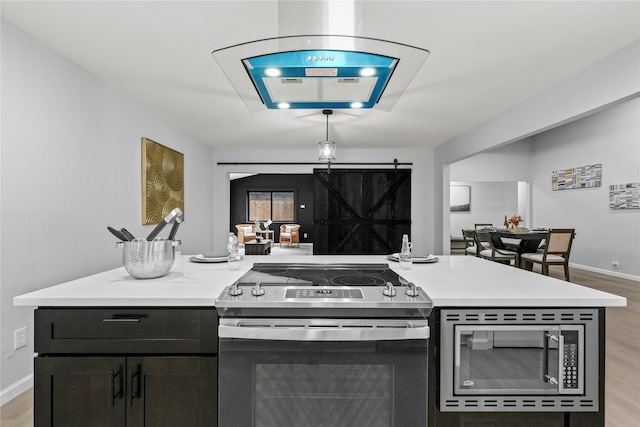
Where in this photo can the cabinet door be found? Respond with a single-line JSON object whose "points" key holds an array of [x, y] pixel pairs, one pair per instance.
{"points": [[172, 391], [79, 391]]}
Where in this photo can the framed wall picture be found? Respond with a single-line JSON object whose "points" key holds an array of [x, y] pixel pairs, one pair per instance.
{"points": [[460, 198], [624, 196], [579, 177], [162, 181]]}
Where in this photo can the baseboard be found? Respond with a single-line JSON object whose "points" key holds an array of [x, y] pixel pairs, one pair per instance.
{"points": [[16, 389], [606, 272]]}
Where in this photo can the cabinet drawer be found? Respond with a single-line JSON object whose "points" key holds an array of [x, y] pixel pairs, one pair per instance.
{"points": [[126, 330]]}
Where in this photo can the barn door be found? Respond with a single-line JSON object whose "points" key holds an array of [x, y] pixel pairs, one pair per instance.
{"points": [[361, 211]]}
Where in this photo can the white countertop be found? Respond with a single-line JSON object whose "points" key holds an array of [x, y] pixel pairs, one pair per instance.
{"points": [[454, 281]]}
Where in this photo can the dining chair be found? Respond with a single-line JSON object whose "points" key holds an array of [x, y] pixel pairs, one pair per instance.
{"points": [[485, 244], [556, 251], [481, 226], [503, 256], [471, 247]]}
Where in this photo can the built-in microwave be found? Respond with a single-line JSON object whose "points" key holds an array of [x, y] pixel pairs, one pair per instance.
{"points": [[523, 359]]}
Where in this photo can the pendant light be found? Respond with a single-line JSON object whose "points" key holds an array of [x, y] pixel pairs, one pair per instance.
{"points": [[327, 148]]}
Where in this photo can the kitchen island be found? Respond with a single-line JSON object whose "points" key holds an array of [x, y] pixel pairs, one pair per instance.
{"points": [[179, 309]]}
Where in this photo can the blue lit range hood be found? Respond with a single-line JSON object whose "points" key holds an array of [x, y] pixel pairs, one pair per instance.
{"points": [[320, 78], [302, 72]]}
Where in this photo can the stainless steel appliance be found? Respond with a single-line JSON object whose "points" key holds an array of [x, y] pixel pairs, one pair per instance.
{"points": [[323, 345], [519, 360]]}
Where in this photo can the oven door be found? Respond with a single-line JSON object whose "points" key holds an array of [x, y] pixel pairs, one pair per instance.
{"points": [[322, 372], [518, 359]]}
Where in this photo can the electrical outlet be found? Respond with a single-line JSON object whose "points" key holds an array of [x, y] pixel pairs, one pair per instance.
{"points": [[615, 265], [304, 235], [20, 338]]}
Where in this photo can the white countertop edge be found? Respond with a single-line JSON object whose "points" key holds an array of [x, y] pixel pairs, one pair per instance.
{"points": [[454, 281], [540, 303], [114, 302]]}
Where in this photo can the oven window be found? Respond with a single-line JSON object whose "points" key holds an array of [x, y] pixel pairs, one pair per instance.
{"points": [[322, 384], [294, 395]]}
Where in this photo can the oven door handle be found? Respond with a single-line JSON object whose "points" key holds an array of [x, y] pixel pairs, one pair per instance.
{"points": [[282, 331]]}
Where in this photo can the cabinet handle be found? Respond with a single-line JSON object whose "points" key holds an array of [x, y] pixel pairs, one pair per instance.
{"points": [[123, 318], [112, 394], [134, 393]]}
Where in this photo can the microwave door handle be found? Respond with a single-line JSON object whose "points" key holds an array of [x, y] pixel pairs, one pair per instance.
{"points": [[546, 376]]}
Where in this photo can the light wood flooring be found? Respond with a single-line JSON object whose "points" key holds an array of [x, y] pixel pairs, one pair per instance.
{"points": [[622, 356]]}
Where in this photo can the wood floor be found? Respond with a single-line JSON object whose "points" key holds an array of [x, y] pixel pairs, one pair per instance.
{"points": [[18, 412], [622, 361]]}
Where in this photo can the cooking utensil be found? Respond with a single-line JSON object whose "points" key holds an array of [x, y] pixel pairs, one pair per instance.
{"points": [[127, 234], [118, 234], [147, 260], [176, 224], [167, 219]]}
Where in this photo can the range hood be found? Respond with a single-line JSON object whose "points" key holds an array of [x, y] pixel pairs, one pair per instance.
{"points": [[320, 78], [320, 71]]}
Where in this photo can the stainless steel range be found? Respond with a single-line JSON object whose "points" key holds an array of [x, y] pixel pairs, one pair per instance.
{"points": [[323, 344]]}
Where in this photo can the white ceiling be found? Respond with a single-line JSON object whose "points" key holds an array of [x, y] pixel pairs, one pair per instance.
{"points": [[486, 57]]}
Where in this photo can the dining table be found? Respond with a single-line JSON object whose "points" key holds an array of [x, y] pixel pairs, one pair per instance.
{"points": [[528, 242]]}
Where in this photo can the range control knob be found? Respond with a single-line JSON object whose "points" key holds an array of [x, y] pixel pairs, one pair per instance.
{"points": [[412, 290], [235, 290], [257, 290], [389, 290]]}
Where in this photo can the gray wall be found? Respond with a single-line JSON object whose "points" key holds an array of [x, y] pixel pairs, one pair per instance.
{"points": [[611, 137], [70, 166], [493, 177], [609, 82], [490, 202]]}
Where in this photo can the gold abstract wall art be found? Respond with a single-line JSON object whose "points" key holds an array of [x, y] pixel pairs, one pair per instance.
{"points": [[162, 181]]}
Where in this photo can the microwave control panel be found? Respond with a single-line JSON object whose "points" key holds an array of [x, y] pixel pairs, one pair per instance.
{"points": [[570, 360]]}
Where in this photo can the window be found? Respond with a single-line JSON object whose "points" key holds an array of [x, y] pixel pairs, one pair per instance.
{"points": [[274, 205]]}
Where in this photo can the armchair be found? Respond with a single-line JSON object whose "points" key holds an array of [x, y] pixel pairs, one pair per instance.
{"points": [[290, 233], [246, 232]]}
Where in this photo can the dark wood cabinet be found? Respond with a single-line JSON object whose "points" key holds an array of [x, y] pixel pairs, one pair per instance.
{"points": [[94, 371], [76, 391], [172, 391]]}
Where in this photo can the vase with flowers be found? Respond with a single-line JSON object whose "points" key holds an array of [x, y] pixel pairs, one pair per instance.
{"points": [[258, 230], [514, 221]]}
